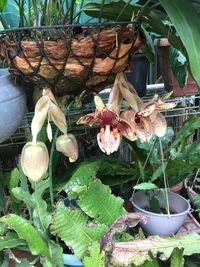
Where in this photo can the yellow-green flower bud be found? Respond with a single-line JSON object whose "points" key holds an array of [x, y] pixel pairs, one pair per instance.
{"points": [[34, 160], [67, 145]]}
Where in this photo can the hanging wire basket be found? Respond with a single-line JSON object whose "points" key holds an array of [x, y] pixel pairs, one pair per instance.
{"points": [[71, 58]]}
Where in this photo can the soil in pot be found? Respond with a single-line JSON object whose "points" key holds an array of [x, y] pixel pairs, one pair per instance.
{"points": [[162, 224]]}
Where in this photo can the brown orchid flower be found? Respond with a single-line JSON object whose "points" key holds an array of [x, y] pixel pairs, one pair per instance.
{"points": [[145, 118], [113, 127]]}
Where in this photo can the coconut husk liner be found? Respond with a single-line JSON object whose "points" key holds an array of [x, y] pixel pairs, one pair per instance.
{"points": [[72, 62]]}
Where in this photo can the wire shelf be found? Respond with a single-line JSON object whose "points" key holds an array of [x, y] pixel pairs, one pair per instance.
{"points": [[188, 106]]}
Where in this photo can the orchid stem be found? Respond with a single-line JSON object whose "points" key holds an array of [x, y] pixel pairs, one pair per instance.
{"points": [[50, 167], [51, 159]]}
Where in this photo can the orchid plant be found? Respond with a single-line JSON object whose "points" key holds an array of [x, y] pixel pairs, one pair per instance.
{"points": [[35, 158], [140, 121]]}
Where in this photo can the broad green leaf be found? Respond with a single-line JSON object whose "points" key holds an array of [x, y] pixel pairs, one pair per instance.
{"points": [[139, 251], [3, 3], [71, 225], [145, 186], [82, 176], [26, 231], [177, 259], [186, 22], [104, 207], [178, 64], [186, 130], [11, 240], [95, 258]]}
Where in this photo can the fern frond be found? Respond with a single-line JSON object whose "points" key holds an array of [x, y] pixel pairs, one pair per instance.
{"points": [[72, 227], [99, 203]]}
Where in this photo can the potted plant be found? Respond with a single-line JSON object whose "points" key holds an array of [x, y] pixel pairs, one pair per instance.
{"points": [[68, 58], [153, 17], [175, 154], [174, 70]]}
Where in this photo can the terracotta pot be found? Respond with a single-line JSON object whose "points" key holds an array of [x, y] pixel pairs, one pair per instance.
{"points": [[177, 188], [171, 84]]}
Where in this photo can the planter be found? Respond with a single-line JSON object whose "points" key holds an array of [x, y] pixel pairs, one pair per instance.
{"points": [[71, 260], [12, 105], [71, 58], [177, 188], [188, 184], [162, 224], [171, 84], [137, 75]]}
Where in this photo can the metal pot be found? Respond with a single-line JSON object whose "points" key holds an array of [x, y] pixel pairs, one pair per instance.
{"points": [[162, 224], [12, 105]]}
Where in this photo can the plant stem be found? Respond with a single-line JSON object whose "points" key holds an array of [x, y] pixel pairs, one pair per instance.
{"points": [[164, 176], [51, 159], [50, 167]]}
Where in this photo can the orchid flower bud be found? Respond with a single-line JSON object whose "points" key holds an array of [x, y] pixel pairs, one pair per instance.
{"points": [[67, 145], [34, 160]]}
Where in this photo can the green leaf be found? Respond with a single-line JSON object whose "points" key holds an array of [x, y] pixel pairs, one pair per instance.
{"points": [[177, 259], [11, 240], [26, 231], [14, 179], [41, 217], [178, 66], [21, 194], [104, 207], [82, 176], [158, 172], [186, 22], [56, 253], [3, 3], [145, 186], [13, 182], [96, 257], [149, 47], [112, 10], [140, 250], [71, 225], [186, 130]]}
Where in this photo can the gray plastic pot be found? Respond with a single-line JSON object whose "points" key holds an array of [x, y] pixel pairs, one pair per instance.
{"points": [[162, 224], [12, 105]]}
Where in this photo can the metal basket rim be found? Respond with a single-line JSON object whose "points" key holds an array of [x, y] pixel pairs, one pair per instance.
{"points": [[47, 27]]}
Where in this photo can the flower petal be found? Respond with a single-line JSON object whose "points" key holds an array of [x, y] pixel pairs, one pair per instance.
{"points": [[40, 114], [115, 97], [160, 125], [67, 145], [132, 98], [58, 117], [108, 140], [88, 119], [98, 103]]}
